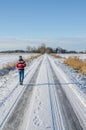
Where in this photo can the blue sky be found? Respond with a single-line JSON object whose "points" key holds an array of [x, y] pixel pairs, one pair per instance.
{"points": [[53, 22]]}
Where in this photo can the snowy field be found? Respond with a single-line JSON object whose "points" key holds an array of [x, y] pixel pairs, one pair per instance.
{"points": [[58, 100], [81, 56], [12, 58]]}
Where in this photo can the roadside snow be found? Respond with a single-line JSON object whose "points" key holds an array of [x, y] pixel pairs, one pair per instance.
{"points": [[74, 75], [72, 88]]}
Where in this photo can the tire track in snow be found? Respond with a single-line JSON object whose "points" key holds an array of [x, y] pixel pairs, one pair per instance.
{"points": [[18, 97], [40, 116], [48, 111], [55, 109], [70, 119]]}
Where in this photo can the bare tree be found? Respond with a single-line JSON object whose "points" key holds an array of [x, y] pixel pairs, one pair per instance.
{"points": [[29, 48], [42, 48]]}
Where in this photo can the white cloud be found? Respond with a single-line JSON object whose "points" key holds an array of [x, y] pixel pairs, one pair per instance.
{"points": [[76, 43]]}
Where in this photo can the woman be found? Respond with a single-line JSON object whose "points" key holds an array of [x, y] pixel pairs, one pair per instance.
{"points": [[21, 65]]}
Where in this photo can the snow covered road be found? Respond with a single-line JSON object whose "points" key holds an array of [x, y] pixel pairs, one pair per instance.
{"points": [[50, 105], [11, 91]]}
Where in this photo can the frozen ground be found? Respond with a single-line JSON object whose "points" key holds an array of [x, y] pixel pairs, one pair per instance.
{"points": [[50, 99]]}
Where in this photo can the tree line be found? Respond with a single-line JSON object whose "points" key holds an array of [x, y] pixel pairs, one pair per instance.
{"points": [[43, 49], [40, 49]]}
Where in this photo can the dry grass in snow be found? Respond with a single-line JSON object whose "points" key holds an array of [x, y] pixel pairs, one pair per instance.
{"points": [[77, 64], [56, 56], [12, 65]]}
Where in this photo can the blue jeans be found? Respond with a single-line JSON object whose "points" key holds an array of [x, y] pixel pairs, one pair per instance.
{"points": [[21, 75]]}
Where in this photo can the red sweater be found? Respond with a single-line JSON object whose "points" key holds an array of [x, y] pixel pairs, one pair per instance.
{"points": [[21, 64]]}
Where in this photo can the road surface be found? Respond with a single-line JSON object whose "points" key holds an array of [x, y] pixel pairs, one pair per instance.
{"points": [[44, 105]]}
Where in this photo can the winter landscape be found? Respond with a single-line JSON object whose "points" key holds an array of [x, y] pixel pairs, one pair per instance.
{"points": [[53, 96], [42, 64]]}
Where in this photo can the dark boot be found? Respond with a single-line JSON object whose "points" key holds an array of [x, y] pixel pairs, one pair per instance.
{"points": [[21, 83]]}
